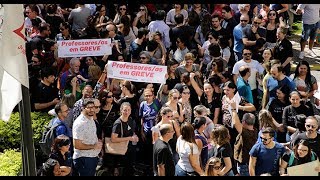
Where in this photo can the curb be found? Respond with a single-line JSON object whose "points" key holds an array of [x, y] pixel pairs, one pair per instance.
{"points": [[313, 67]]}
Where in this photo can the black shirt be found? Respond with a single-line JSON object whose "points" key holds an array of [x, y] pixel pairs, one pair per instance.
{"points": [[313, 143], [162, 154], [45, 94]]}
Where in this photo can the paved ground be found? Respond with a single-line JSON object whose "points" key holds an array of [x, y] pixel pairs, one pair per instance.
{"points": [[314, 62]]}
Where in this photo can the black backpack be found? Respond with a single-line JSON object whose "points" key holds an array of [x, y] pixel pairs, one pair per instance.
{"points": [[48, 136]]}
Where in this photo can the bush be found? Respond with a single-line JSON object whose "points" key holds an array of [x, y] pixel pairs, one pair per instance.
{"points": [[10, 163], [10, 132]]}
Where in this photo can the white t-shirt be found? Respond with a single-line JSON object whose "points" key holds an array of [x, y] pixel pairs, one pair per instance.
{"points": [[255, 67], [184, 150]]}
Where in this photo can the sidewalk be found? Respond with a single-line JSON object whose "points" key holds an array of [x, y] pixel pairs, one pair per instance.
{"points": [[313, 61]]}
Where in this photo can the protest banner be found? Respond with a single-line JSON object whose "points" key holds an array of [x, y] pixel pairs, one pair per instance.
{"points": [[84, 47], [137, 72], [306, 169]]}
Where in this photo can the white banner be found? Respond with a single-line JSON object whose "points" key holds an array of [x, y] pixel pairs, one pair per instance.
{"points": [[13, 62], [137, 72], [84, 47]]}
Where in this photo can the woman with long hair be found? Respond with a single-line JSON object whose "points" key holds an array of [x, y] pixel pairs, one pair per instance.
{"points": [[199, 125], [203, 29], [172, 103], [220, 139], [305, 82], [277, 106], [269, 84], [271, 26], [266, 120], [122, 10], [301, 154], [129, 33], [207, 99], [142, 18], [172, 80], [185, 102], [100, 16], [166, 118], [230, 95], [189, 161]]}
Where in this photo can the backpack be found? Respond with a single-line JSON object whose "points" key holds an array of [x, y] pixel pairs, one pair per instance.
{"points": [[48, 136], [291, 159], [237, 151]]}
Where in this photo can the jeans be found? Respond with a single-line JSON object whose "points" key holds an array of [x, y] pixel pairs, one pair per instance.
{"points": [[243, 169], [86, 166], [179, 171]]}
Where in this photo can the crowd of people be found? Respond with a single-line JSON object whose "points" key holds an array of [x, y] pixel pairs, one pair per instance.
{"points": [[230, 104]]}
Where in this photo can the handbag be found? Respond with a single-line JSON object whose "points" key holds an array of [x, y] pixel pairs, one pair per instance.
{"points": [[118, 148]]}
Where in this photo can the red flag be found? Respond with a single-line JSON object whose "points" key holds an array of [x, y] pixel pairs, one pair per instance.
{"points": [[13, 63]]}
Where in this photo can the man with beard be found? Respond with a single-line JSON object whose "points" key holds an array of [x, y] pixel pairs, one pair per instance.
{"points": [[256, 69], [265, 156], [138, 45], [87, 92], [85, 140], [310, 135]]}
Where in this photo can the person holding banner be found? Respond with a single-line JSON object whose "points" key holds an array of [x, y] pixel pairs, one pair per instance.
{"points": [[300, 154]]}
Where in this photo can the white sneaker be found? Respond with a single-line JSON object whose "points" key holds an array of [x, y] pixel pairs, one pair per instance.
{"points": [[301, 55]]}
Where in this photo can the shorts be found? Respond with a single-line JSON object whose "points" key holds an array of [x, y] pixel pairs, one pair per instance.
{"points": [[309, 31]]}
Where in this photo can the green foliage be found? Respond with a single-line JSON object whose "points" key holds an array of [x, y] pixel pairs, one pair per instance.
{"points": [[10, 132], [297, 28], [10, 163]]}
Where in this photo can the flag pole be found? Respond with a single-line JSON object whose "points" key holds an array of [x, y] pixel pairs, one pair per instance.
{"points": [[28, 153]]}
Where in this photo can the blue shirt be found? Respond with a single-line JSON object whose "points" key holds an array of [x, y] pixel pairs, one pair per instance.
{"points": [[237, 34], [267, 159], [148, 113], [244, 89]]}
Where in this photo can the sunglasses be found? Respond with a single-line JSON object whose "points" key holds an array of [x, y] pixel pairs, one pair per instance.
{"points": [[264, 139], [244, 20], [272, 14], [310, 126], [143, 57], [247, 54], [97, 107], [257, 22], [123, 9], [175, 98], [109, 96]]}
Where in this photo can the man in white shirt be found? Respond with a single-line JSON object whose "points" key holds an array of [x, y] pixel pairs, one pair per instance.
{"points": [[162, 27], [255, 67]]}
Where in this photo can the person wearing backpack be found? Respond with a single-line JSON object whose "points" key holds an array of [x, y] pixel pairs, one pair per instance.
{"points": [[300, 154], [55, 128], [248, 134]]}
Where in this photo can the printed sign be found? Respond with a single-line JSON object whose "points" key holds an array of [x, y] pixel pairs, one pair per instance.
{"points": [[137, 72], [84, 47]]}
